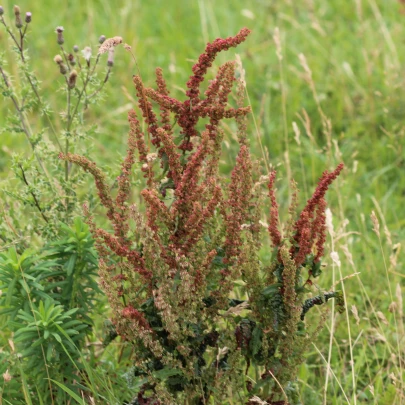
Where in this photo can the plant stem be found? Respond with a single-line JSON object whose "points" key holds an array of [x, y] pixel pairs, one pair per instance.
{"points": [[102, 84], [33, 195], [25, 126], [69, 122], [33, 86]]}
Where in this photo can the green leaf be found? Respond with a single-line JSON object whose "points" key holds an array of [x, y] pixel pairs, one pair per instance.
{"points": [[70, 264], [10, 291], [256, 341], [27, 336], [70, 392], [271, 289], [49, 352], [166, 372], [71, 331], [71, 312], [25, 286]]}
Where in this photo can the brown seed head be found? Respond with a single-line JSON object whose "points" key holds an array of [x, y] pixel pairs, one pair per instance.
{"points": [[109, 43]]}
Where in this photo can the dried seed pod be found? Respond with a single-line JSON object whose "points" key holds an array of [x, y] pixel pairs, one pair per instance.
{"points": [[109, 43]]}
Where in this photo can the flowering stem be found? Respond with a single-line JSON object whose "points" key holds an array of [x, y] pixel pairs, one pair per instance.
{"points": [[86, 82], [66, 59], [13, 37], [33, 86], [95, 64], [22, 34]]}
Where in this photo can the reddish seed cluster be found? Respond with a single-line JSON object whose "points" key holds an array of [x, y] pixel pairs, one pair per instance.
{"points": [[169, 147], [190, 164], [193, 237], [207, 58], [147, 111], [197, 220], [191, 110], [129, 312], [273, 228], [311, 223], [101, 184], [164, 92], [238, 203], [319, 229], [310, 228]]}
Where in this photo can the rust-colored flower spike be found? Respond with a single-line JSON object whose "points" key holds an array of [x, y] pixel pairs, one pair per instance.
{"points": [[238, 203], [311, 223], [205, 60], [273, 228], [109, 43]]}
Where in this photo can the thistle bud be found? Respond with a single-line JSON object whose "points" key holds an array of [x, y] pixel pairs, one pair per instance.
{"points": [[75, 49], [1, 10], [72, 79], [18, 21], [63, 69], [59, 31], [101, 39], [110, 60], [58, 59], [28, 17], [71, 59]]}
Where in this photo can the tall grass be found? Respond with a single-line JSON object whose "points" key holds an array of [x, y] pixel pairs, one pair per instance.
{"points": [[347, 103]]}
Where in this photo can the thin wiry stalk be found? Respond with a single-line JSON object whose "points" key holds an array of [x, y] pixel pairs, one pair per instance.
{"points": [[33, 86], [33, 195]]}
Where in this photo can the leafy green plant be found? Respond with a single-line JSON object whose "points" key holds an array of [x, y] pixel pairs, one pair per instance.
{"points": [[20, 278], [49, 299], [72, 281], [45, 334]]}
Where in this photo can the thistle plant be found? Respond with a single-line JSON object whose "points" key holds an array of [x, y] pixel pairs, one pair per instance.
{"points": [[172, 269], [41, 188], [48, 291]]}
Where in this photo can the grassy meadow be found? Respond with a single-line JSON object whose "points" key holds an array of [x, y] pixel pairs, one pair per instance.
{"points": [[326, 83]]}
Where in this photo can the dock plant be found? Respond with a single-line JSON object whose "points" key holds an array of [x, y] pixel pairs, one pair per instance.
{"points": [[189, 288]]}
